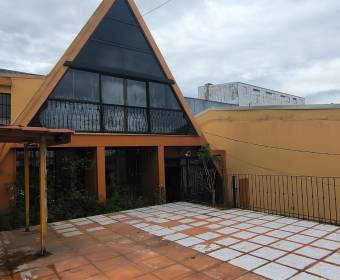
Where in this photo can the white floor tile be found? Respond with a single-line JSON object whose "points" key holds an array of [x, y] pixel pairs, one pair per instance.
{"points": [[176, 236], [276, 271], [312, 252], [274, 225], [241, 219], [189, 241], [268, 253], [163, 232], [307, 224], [67, 230], [109, 222], [270, 218], [141, 225], [334, 258], [228, 223], [225, 254], [286, 245], [208, 235], [305, 276], [326, 244], [206, 248], [295, 261], [83, 223], [254, 215], [326, 227], [227, 230], [62, 226], [328, 271], [214, 220], [314, 232], [300, 238], [213, 226], [227, 241], [257, 222], [263, 239], [186, 221], [259, 229], [242, 226], [199, 224], [72, 233], [181, 227], [78, 220], [279, 233], [248, 262], [333, 237], [293, 228], [245, 246], [244, 235], [287, 221], [94, 229]]}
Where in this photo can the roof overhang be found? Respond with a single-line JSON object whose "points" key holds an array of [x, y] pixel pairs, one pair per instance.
{"points": [[33, 135]]}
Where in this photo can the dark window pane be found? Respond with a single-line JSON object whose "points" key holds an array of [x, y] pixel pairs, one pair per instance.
{"points": [[162, 96], [120, 10], [114, 118], [112, 90], [113, 58], [5, 109], [122, 34], [136, 93], [137, 120], [78, 85]]}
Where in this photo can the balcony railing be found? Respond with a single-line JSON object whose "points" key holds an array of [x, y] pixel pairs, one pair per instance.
{"points": [[95, 117]]}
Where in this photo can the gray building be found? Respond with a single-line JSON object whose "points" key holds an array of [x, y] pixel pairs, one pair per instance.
{"points": [[242, 94], [199, 105]]}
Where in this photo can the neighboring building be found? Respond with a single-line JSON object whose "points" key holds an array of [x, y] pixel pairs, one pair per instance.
{"points": [[113, 87], [198, 105], [242, 94]]}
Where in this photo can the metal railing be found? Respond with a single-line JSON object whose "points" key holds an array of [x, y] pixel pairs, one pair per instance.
{"points": [[84, 116], [305, 197]]}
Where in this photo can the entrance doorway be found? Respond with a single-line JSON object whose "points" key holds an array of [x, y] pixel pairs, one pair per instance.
{"points": [[173, 180]]}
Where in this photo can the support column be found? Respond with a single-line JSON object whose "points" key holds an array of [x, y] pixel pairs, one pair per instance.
{"points": [[27, 187], [161, 174], [101, 179], [43, 199]]}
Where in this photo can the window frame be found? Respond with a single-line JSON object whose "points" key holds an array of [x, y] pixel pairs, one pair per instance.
{"points": [[5, 108]]}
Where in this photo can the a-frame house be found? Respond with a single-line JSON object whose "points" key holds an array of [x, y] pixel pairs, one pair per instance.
{"points": [[114, 88]]}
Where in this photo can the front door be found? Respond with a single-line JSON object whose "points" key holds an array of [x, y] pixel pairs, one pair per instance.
{"points": [[173, 180]]}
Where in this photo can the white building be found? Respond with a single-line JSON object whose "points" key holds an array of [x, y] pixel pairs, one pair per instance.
{"points": [[242, 94]]}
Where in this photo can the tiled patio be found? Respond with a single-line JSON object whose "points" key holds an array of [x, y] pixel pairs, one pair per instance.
{"points": [[176, 241]]}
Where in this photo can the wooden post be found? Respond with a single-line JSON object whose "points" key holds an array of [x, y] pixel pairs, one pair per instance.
{"points": [[161, 174], [27, 187], [101, 180], [43, 199]]}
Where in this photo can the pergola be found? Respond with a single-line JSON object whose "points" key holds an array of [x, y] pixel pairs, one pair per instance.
{"points": [[43, 137]]}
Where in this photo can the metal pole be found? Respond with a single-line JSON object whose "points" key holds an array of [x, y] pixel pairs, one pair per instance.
{"points": [[43, 199], [27, 187]]}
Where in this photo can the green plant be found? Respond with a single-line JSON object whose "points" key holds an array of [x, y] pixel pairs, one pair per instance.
{"points": [[209, 170]]}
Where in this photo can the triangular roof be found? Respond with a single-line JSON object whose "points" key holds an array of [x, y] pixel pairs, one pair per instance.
{"points": [[74, 51]]}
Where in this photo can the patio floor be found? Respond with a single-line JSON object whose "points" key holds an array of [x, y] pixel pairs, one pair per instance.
{"points": [[176, 241]]}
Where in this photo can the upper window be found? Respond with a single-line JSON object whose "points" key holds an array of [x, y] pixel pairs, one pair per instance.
{"points": [[78, 85], [161, 96], [5, 109], [112, 90], [136, 93]]}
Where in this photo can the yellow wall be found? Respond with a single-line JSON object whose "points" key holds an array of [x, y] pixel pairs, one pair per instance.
{"points": [[22, 90], [300, 129]]}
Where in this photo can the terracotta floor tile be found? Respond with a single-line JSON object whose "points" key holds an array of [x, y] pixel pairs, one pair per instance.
{"points": [[100, 255], [111, 264], [128, 271], [200, 262], [82, 272], [147, 277], [197, 276], [141, 254], [195, 231], [157, 262], [224, 271], [70, 263], [176, 271], [177, 252], [250, 276]]}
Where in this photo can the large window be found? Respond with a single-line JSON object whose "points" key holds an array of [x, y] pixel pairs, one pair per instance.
{"points": [[5, 109], [93, 102]]}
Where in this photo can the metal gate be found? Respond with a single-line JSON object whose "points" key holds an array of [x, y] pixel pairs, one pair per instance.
{"points": [[305, 197]]}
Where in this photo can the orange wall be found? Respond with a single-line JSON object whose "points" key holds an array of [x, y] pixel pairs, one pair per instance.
{"points": [[21, 92], [299, 129]]}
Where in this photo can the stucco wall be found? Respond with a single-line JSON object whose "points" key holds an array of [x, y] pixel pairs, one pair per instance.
{"points": [[21, 92], [316, 130]]}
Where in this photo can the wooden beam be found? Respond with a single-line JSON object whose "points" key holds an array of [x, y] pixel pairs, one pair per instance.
{"points": [[27, 187], [43, 199], [101, 180]]}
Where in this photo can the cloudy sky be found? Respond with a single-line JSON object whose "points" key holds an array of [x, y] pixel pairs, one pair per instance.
{"points": [[287, 45]]}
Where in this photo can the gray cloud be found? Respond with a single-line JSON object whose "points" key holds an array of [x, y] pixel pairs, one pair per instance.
{"points": [[288, 45]]}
